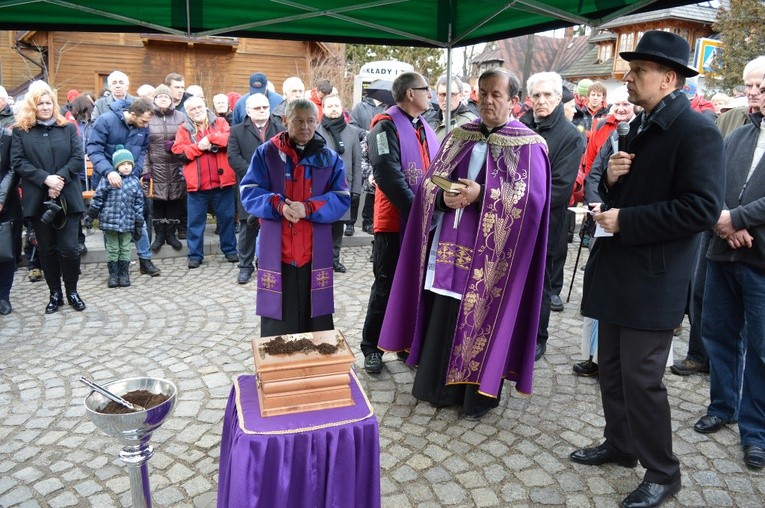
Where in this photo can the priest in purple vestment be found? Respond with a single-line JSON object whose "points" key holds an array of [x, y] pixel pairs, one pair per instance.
{"points": [[468, 286], [296, 185]]}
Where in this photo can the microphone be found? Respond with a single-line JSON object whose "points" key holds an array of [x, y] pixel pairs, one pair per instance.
{"points": [[622, 129]]}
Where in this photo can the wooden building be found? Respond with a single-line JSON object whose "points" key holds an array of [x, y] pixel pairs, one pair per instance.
{"points": [[596, 56], [603, 62], [82, 60]]}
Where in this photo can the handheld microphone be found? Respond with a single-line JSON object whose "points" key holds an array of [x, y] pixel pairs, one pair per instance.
{"points": [[622, 129]]}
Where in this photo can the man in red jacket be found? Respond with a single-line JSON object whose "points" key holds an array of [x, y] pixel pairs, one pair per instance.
{"points": [[201, 142], [401, 146]]}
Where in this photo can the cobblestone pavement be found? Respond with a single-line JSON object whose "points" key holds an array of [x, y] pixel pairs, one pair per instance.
{"points": [[193, 327]]}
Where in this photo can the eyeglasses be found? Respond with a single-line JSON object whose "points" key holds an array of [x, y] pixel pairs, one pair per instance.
{"points": [[423, 88], [258, 108]]}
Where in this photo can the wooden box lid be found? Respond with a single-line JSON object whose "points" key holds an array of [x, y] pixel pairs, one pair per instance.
{"points": [[302, 364]]}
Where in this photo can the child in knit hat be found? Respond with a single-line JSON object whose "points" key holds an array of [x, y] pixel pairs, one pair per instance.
{"points": [[121, 212]]}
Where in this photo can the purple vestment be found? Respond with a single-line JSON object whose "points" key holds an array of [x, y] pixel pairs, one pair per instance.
{"points": [[268, 300], [495, 258]]}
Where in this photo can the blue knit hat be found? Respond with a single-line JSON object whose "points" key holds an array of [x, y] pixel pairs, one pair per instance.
{"points": [[122, 155]]}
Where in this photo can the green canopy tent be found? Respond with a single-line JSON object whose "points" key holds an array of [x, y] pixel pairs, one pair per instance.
{"points": [[436, 23]]}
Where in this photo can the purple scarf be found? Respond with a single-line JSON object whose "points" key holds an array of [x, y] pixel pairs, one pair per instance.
{"points": [[268, 301], [412, 164]]}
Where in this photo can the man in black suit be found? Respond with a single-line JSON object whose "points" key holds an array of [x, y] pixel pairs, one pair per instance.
{"points": [[658, 195], [244, 139]]}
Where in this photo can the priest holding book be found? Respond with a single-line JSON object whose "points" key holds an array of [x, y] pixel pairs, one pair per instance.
{"points": [[468, 286]]}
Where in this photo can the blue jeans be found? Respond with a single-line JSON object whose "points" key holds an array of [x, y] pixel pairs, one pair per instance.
{"points": [[733, 330], [222, 201]]}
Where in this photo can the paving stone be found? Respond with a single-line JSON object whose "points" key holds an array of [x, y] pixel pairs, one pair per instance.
{"points": [[516, 456], [48, 485]]}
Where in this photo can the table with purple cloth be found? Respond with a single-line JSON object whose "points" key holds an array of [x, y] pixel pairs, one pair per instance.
{"points": [[328, 457]]}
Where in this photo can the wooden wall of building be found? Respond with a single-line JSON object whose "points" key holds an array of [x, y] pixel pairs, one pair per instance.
{"points": [[82, 60]]}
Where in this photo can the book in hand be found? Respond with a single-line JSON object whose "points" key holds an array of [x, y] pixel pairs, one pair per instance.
{"points": [[446, 184]]}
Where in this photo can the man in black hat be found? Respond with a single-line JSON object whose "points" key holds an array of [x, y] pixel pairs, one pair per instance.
{"points": [[658, 195]]}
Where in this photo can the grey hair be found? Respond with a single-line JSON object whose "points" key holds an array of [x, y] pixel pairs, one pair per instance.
{"points": [[754, 65], [300, 105], [540, 77], [402, 83], [456, 83]]}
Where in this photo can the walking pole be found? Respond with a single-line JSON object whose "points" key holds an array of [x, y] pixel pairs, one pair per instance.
{"points": [[576, 264]]}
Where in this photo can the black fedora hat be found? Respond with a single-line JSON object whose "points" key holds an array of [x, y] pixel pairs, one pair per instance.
{"points": [[665, 48]]}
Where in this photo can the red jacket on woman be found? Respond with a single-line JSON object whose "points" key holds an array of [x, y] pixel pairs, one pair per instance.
{"points": [[205, 169]]}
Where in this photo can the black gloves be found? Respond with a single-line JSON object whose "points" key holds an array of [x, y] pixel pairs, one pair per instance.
{"points": [[89, 216], [137, 231]]}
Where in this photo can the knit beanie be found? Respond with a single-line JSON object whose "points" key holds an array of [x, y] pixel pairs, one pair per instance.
{"points": [[583, 87], [122, 155], [162, 90]]}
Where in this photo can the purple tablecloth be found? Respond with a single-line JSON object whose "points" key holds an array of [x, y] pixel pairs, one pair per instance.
{"points": [[329, 457]]}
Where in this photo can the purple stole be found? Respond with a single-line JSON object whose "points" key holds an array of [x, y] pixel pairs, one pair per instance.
{"points": [[268, 301], [411, 158], [495, 259]]}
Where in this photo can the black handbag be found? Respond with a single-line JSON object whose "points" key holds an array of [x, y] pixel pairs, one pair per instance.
{"points": [[6, 242]]}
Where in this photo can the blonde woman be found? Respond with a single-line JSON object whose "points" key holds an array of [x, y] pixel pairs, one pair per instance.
{"points": [[46, 153]]}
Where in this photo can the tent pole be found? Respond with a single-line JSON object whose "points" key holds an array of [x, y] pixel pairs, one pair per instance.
{"points": [[448, 111]]}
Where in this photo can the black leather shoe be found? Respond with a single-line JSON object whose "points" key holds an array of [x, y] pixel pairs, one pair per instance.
{"points": [[602, 455], [477, 414], [586, 368], [349, 229], [56, 301], [556, 304], [244, 276], [194, 263], [339, 267], [650, 495], [232, 258], [540, 351], [5, 307], [75, 301], [373, 363], [754, 457], [709, 424], [403, 355]]}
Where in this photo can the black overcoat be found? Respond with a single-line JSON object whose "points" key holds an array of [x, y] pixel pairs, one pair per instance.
{"points": [[43, 151], [243, 140], [639, 277]]}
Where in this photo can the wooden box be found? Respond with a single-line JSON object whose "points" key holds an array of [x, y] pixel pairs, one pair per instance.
{"points": [[305, 380]]}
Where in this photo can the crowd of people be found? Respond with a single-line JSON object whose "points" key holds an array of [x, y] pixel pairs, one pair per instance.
{"points": [[470, 220]]}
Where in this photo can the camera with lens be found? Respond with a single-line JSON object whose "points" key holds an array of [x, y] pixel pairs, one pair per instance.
{"points": [[214, 148], [52, 209]]}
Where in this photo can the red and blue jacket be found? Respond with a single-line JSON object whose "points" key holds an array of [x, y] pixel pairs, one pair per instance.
{"points": [[323, 206]]}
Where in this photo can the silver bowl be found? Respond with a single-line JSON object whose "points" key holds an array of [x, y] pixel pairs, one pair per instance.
{"points": [[134, 429], [131, 428]]}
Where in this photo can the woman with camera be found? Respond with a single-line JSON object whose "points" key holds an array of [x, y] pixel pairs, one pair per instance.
{"points": [[47, 154]]}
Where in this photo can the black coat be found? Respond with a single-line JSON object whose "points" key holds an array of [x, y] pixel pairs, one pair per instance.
{"points": [[9, 180], [745, 199], [639, 277], [43, 151], [243, 140], [565, 147]]}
